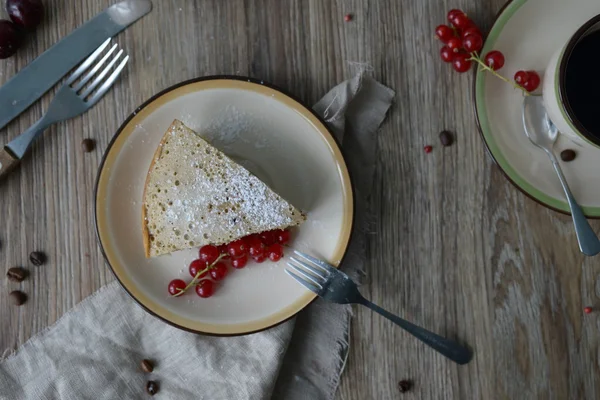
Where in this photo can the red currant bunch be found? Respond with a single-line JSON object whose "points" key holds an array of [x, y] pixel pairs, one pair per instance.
{"points": [[209, 269], [462, 43]]}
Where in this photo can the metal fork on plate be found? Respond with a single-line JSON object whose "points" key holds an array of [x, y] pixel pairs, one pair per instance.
{"points": [[337, 287], [72, 99]]}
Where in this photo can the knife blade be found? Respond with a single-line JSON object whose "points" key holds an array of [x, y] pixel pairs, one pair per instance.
{"points": [[41, 74]]}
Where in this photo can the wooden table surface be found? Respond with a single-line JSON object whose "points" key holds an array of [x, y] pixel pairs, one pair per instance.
{"points": [[455, 247]]}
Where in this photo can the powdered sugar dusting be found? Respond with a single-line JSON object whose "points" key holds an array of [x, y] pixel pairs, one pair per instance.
{"points": [[196, 195]]}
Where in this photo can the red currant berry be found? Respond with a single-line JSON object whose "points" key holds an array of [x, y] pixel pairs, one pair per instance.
{"points": [[532, 82], [268, 238], [472, 30], [494, 59], [209, 254], [447, 54], [521, 77], [473, 43], [283, 236], [259, 259], [255, 246], [428, 149], [275, 252], [461, 63], [455, 44], [444, 33], [453, 13], [240, 262], [461, 21], [205, 288], [223, 250], [176, 286], [197, 266], [219, 271], [237, 248], [588, 310]]}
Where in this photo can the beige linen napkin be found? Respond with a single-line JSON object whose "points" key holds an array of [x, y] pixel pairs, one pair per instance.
{"points": [[94, 351]]}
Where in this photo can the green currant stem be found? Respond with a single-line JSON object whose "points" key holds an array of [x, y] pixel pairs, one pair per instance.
{"points": [[484, 67], [198, 274]]}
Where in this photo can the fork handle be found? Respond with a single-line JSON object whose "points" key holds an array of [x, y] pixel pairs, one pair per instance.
{"points": [[449, 348], [7, 162]]}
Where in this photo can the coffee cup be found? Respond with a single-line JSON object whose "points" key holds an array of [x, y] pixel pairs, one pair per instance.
{"points": [[571, 86]]}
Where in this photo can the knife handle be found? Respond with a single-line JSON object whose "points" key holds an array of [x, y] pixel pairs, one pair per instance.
{"points": [[7, 162]]}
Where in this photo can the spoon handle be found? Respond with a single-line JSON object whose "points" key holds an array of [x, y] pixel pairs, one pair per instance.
{"points": [[588, 241]]}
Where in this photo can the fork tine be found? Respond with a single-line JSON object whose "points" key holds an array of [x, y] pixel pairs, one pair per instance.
{"points": [[100, 76], [98, 65], [318, 273], [108, 83], [301, 281], [306, 275], [86, 64], [319, 263]]}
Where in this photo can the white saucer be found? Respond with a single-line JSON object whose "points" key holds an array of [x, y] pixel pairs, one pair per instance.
{"points": [[275, 137], [528, 32]]}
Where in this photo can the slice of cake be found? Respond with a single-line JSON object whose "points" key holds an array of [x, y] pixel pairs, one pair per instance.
{"points": [[196, 195]]}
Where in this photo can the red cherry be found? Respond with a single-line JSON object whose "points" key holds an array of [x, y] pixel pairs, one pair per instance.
{"points": [[240, 262], [494, 59], [521, 77], [237, 248], [209, 254], [197, 266], [446, 54], [205, 288], [283, 236], [10, 39], [453, 13], [473, 43], [219, 271], [275, 252], [532, 82], [444, 33], [461, 21], [455, 44], [588, 310], [428, 149], [268, 238], [27, 14], [472, 30], [176, 286], [255, 246], [461, 63], [259, 259]]}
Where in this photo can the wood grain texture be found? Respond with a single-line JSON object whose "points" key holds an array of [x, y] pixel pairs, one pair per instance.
{"points": [[456, 248]]}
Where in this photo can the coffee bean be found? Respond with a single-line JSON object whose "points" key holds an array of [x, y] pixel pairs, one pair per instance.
{"points": [[88, 145], [568, 155], [17, 274], [152, 387], [404, 385], [37, 258], [147, 366], [17, 297], [446, 138]]}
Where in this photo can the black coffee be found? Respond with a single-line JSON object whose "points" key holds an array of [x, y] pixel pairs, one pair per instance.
{"points": [[582, 82]]}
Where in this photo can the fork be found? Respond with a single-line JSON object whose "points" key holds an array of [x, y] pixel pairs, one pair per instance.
{"points": [[334, 285], [71, 100]]}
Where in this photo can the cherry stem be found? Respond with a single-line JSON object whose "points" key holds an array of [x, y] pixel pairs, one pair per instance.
{"points": [[484, 67], [195, 279]]}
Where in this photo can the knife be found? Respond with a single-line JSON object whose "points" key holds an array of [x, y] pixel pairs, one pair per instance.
{"points": [[42, 73]]}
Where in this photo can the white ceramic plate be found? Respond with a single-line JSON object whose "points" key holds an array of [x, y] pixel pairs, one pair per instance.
{"points": [[276, 138], [529, 32]]}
